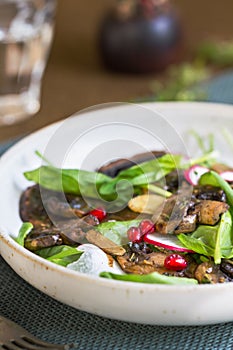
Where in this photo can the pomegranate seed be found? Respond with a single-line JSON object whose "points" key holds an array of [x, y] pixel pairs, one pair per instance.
{"points": [[175, 262], [99, 213], [146, 226], [134, 234]]}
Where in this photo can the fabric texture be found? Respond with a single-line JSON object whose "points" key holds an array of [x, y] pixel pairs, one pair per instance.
{"points": [[55, 322]]}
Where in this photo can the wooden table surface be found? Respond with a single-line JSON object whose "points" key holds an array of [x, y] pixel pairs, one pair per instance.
{"points": [[75, 77]]}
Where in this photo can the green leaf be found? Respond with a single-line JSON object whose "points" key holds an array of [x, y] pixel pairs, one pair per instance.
{"points": [[116, 231], [200, 241], [215, 241], [72, 181], [23, 232], [153, 277], [144, 173], [224, 238], [117, 191], [61, 255], [154, 169], [214, 179]]}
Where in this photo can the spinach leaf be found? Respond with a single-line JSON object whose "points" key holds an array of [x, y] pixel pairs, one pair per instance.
{"points": [[61, 255], [23, 232], [144, 173], [215, 241], [153, 277], [72, 181], [155, 169], [117, 191], [98, 185], [214, 179], [116, 231], [224, 238]]}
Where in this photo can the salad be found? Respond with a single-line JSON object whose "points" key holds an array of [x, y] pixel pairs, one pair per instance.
{"points": [[154, 218]]}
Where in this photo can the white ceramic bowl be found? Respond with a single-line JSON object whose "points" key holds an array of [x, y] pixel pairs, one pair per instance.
{"points": [[87, 140]]}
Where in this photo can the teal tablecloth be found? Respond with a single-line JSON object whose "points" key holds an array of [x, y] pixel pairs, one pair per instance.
{"points": [[55, 322]]}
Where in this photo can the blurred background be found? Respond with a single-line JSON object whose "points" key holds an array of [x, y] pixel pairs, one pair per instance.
{"points": [[77, 76]]}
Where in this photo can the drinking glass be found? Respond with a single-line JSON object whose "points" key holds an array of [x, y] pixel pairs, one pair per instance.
{"points": [[26, 32]]}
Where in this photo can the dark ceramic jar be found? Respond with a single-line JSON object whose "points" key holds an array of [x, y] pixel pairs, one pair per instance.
{"points": [[140, 36]]}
